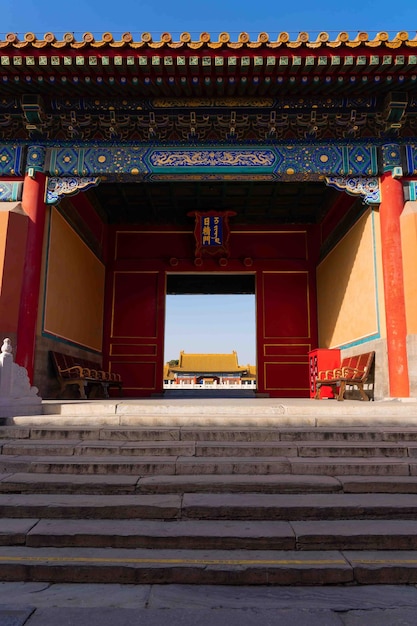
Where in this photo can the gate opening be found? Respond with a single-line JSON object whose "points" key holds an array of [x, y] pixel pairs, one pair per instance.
{"points": [[210, 333]]}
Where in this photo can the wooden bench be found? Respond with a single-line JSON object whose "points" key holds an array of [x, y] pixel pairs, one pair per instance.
{"points": [[355, 371], [87, 375]]}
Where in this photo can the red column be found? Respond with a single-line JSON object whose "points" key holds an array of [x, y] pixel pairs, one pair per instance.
{"points": [[33, 203], [392, 204]]}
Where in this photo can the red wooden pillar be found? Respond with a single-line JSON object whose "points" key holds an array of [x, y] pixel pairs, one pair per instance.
{"points": [[392, 204], [33, 203]]}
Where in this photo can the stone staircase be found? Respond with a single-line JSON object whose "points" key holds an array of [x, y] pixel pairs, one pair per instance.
{"points": [[226, 503]]}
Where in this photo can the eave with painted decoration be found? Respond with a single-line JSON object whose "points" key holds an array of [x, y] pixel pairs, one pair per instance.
{"points": [[207, 90]]}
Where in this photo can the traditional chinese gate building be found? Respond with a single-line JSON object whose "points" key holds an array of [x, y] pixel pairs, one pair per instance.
{"points": [[114, 153]]}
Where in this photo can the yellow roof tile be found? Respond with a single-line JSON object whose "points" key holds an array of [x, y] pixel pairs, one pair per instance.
{"points": [[208, 363], [205, 41]]}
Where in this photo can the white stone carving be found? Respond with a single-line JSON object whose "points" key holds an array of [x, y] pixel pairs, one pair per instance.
{"points": [[16, 392]]}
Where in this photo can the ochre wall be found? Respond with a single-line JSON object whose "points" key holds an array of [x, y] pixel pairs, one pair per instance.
{"points": [[281, 261], [409, 246], [350, 288], [74, 295], [13, 230]]}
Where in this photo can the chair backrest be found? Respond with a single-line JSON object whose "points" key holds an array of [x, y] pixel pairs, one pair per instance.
{"points": [[362, 362]]}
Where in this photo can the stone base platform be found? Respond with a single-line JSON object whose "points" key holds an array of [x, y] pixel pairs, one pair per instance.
{"points": [[251, 412]]}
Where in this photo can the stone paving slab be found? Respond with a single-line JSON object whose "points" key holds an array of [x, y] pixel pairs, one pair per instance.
{"points": [[15, 617], [156, 506], [182, 617], [46, 594], [403, 416], [378, 617], [222, 535], [340, 598], [337, 598]]}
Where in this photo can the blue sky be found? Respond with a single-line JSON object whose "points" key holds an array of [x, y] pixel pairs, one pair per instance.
{"points": [[211, 323], [233, 16], [186, 318]]}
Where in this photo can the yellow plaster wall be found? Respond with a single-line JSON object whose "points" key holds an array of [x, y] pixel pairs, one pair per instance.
{"points": [[74, 295], [349, 287], [409, 248]]}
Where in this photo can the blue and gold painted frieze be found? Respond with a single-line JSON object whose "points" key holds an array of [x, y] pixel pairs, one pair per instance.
{"points": [[272, 161], [411, 159], [85, 160], [11, 160], [35, 158], [292, 162], [213, 159]]}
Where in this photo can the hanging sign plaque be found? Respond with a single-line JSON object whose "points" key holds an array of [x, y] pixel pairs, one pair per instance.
{"points": [[212, 232]]}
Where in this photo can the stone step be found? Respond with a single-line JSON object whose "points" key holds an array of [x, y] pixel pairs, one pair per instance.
{"points": [[105, 484], [214, 433], [304, 449], [298, 506], [78, 506], [228, 534], [199, 506], [272, 483], [108, 484], [108, 448], [101, 448], [171, 465], [231, 567]]}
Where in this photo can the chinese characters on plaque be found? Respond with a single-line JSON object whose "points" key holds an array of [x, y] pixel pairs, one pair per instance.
{"points": [[212, 233]]}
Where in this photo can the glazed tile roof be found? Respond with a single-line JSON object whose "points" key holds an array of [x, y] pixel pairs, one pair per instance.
{"points": [[208, 363], [224, 40]]}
